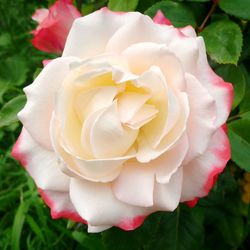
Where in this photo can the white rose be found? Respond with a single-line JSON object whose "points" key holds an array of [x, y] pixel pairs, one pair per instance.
{"points": [[125, 123]]}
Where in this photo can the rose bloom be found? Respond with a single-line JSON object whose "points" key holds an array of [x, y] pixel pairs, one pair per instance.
{"points": [[127, 122], [54, 25]]}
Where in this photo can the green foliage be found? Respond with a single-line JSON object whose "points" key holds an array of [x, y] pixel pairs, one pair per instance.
{"points": [[123, 5], [10, 109], [234, 75], [223, 41], [219, 221], [238, 8], [181, 230], [239, 135], [180, 14]]}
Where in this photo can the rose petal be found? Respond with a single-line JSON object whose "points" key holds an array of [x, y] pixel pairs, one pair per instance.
{"points": [[143, 116], [60, 205], [169, 162], [187, 51], [129, 103], [221, 91], [198, 172], [87, 36], [139, 29], [167, 196], [107, 130], [188, 31], [54, 25], [161, 19], [41, 164], [135, 184], [40, 15], [97, 170], [96, 203], [153, 54], [202, 117], [36, 114]]}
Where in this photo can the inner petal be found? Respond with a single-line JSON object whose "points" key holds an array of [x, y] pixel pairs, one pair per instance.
{"points": [[107, 136], [129, 104], [92, 100], [144, 115]]}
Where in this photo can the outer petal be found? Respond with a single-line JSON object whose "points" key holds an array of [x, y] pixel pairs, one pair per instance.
{"points": [[187, 51], [167, 196], [202, 117], [96, 203], [40, 15], [199, 173], [37, 112], [140, 29], [161, 19], [60, 205], [155, 54], [88, 37], [41, 164], [135, 184], [221, 91], [188, 31]]}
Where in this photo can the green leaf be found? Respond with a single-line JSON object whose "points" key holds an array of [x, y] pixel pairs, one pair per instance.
{"points": [[10, 109], [239, 8], [245, 104], [223, 41], [234, 75], [180, 230], [36, 229], [122, 5], [17, 226], [239, 135], [14, 70], [115, 238], [245, 115], [180, 14], [198, 1], [92, 242]]}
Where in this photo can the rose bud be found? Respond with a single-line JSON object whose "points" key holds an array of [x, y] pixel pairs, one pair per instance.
{"points": [[53, 26]]}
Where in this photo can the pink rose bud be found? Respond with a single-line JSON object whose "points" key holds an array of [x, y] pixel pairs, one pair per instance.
{"points": [[53, 26], [161, 19]]}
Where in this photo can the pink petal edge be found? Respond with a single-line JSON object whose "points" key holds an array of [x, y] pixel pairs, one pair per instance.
{"points": [[224, 155], [161, 19], [192, 203], [46, 62], [61, 214], [219, 82], [112, 12], [131, 224], [16, 154]]}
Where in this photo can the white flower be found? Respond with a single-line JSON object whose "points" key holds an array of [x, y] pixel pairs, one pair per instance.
{"points": [[125, 123]]}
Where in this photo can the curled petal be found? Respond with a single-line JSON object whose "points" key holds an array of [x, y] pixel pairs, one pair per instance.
{"points": [[60, 205], [161, 19], [97, 204], [36, 114], [221, 91], [199, 174], [135, 184], [201, 122], [41, 164]]}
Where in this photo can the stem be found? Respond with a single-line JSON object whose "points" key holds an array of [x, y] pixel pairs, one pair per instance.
{"points": [[215, 3]]}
